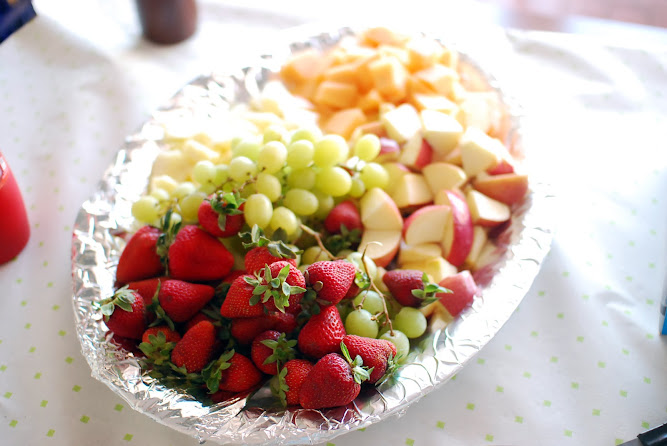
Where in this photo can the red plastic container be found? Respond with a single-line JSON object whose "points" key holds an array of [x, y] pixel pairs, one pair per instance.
{"points": [[14, 226]]}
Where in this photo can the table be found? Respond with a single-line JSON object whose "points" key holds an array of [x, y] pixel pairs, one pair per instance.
{"points": [[581, 360]]}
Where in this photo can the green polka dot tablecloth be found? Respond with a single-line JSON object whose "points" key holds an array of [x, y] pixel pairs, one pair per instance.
{"points": [[580, 362]]}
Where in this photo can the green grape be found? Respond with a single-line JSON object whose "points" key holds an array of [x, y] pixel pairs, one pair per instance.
{"points": [[401, 342], [160, 194], [313, 254], [272, 157], [358, 187], [301, 201], [300, 154], [258, 210], [309, 134], [203, 172], [334, 181], [242, 169], [330, 150], [207, 188], [359, 323], [344, 253], [190, 206], [303, 267], [248, 190], [183, 189], [355, 258], [410, 321], [146, 209], [275, 132], [164, 182], [302, 178], [367, 147], [285, 219], [374, 175], [268, 185], [248, 147], [221, 174], [325, 204], [372, 301]]}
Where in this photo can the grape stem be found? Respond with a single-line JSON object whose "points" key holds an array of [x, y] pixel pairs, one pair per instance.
{"points": [[318, 239], [376, 289]]}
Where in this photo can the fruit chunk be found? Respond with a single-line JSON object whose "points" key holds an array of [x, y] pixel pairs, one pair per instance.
{"points": [[478, 151], [402, 123], [437, 268], [389, 77], [336, 94], [478, 241], [463, 290], [382, 254], [441, 130], [486, 211], [458, 236], [441, 176], [418, 253], [378, 211], [344, 122], [411, 190], [416, 153], [426, 225], [507, 188]]}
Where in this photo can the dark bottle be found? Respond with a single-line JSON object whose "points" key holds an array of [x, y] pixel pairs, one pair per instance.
{"points": [[167, 21]]}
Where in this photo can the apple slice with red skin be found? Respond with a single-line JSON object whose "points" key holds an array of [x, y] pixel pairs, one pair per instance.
{"points": [[416, 153], [502, 167], [486, 211], [389, 151], [458, 236], [384, 252], [441, 176], [508, 188], [463, 291], [418, 253], [426, 225], [411, 190], [378, 211], [478, 240]]}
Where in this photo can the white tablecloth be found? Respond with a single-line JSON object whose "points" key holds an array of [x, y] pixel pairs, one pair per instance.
{"points": [[581, 361]]}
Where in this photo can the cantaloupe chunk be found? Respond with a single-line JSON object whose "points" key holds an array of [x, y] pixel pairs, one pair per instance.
{"points": [[423, 53], [306, 65], [392, 51], [440, 78], [381, 35], [345, 121], [336, 94], [370, 102], [346, 73], [389, 77]]}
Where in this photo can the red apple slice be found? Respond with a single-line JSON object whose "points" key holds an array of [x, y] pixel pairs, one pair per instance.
{"points": [[442, 131], [479, 238], [389, 151], [503, 166], [486, 211], [464, 289], [479, 151], [458, 236], [396, 172], [378, 211], [426, 225], [441, 176], [411, 190], [508, 188], [382, 254], [416, 153], [418, 253]]}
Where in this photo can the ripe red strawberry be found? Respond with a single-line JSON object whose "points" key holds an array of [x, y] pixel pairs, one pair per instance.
{"points": [[125, 313], [197, 318], [258, 257], [220, 215], [322, 334], [196, 348], [231, 277], [146, 288], [244, 330], [344, 213], [335, 380], [410, 287], [331, 279], [237, 302], [231, 372], [295, 372], [127, 344], [376, 353], [182, 300], [196, 255], [271, 350], [283, 322], [169, 334], [139, 260], [282, 286]]}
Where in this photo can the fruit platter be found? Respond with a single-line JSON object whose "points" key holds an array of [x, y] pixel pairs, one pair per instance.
{"points": [[309, 244]]}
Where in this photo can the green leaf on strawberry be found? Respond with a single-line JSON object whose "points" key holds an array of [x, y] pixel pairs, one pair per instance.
{"points": [[279, 386], [347, 239], [283, 350], [277, 248], [123, 298], [166, 238], [160, 315], [225, 204], [359, 372], [428, 293], [212, 373], [157, 350], [268, 287]]}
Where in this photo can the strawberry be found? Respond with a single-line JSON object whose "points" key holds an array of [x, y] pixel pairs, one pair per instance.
{"points": [[231, 277], [283, 322], [322, 334], [127, 344], [279, 286], [195, 255], [196, 347], [146, 288], [231, 372], [182, 300], [335, 380], [244, 330], [331, 279], [270, 350], [221, 214], [197, 318], [139, 260], [237, 302], [410, 287], [376, 353], [287, 384], [263, 251], [158, 342], [343, 214], [125, 313]]}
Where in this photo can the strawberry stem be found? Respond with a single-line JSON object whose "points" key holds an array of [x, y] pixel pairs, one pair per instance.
{"points": [[318, 239], [377, 290]]}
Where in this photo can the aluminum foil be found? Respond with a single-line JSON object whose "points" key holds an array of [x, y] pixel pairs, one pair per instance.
{"points": [[434, 359]]}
